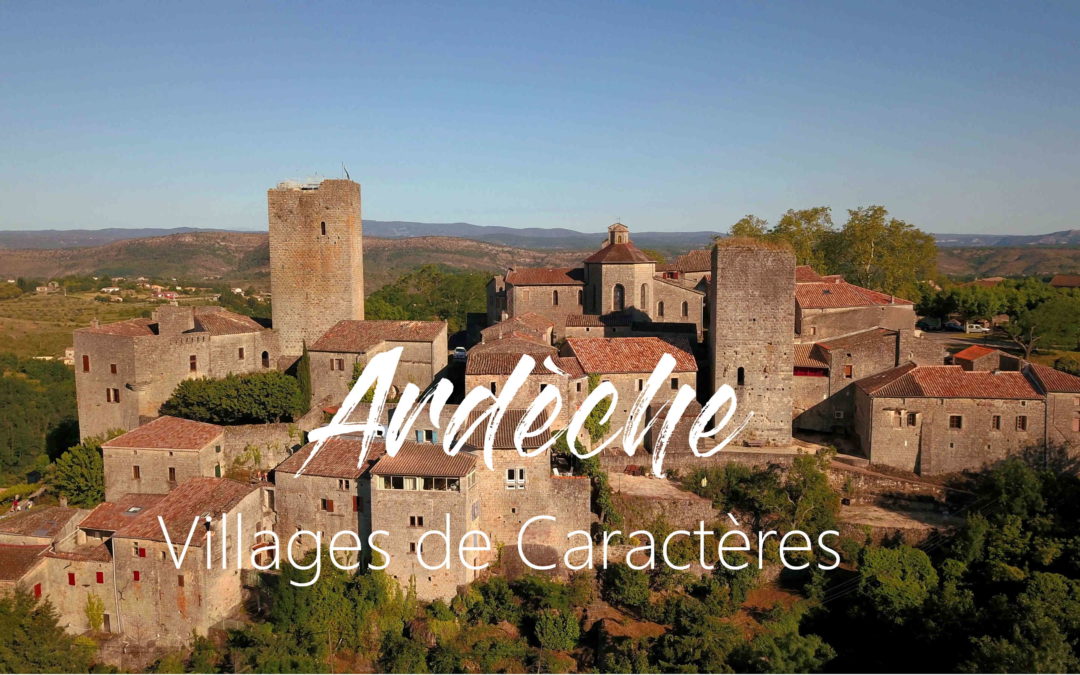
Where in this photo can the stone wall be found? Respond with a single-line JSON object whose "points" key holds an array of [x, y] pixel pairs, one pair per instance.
{"points": [[541, 300], [316, 260], [814, 325]]}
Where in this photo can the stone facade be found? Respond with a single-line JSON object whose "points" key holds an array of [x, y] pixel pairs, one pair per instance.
{"points": [[316, 259], [750, 338]]}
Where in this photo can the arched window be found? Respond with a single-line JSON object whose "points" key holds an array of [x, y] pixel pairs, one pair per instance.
{"points": [[554, 298], [266, 359], [580, 297], [660, 308], [618, 298], [644, 304], [686, 309], [740, 379]]}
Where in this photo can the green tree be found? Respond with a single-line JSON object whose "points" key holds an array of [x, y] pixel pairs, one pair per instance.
{"points": [[79, 474], [883, 253], [1055, 322], [557, 630], [749, 226], [303, 374], [252, 398], [808, 232], [626, 586], [593, 422], [896, 581], [95, 611], [31, 641]]}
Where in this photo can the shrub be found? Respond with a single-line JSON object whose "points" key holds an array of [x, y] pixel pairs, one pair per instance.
{"points": [[626, 586], [557, 630], [253, 398]]}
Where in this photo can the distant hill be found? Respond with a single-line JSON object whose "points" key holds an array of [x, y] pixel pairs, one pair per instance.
{"points": [[1008, 261], [244, 257], [1063, 238]]}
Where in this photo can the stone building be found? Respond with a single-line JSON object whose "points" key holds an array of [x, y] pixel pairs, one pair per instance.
{"points": [[316, 259], [490, 370], [163, 604], [978, 357], [528, 326], [941, 419], [159, 455], [619, 279], [628, 362], [125, 370], [348, 343], [828, 307], [751, 344]]}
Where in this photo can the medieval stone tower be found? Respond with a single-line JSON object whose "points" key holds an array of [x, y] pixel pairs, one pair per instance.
{"points": [[751, 337], [316, 259]]}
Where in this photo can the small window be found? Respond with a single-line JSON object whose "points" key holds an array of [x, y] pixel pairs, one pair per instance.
{"points": [[328, 505], [493, 388], [995, 423], [180, 580], [343, 484], [515, 479], [554, 298], [416, 521], [685, 309], [838, 414], [412, 547], [172, 474], [266, 359], [85, 369], [1021, 422], [112, 395], [813, 330], [112, 368], [322, 228], [912, 419], [740, 376], [240, 353], [1076, 424], [142, 551], [71, 578], [956, 422], [849, 372], [640, 384], [217, 471], [136, 473], [674, 383], [100, 577], [579, 386], [135, 548], [135, 576], [193, 363], [581, 299], [660, 308]]}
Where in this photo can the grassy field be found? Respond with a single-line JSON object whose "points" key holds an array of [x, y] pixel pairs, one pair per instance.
{"points": [[42, 325]]}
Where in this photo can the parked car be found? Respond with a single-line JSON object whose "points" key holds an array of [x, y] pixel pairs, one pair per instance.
{"points": [[976, 328], [954, 325], [928, 324], [460, 354]]}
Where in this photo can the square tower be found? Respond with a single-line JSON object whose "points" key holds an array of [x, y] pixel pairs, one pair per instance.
{"points": [[751, 334], [316, 259]]}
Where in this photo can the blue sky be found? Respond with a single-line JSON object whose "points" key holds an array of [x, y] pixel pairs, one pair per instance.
{"points": [[958, 117]]}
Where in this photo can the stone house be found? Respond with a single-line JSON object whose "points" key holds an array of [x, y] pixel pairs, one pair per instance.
{"points": [[628, 362], [348, 343], [40, 525], [1062, 391], [978, 357], [23, 565], [125, 370], [162, 604], [828, 307], [159, 455], [529, 326], [490, 370]]}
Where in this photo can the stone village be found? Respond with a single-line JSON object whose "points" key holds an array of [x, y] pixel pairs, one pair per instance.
{"points": [[804, 352]]}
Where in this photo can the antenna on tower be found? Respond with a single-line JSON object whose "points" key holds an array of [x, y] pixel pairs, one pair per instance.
{"points": [[346, 171]]}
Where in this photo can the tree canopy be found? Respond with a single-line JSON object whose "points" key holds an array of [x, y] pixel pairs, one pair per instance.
{"points": [[252, 398]]}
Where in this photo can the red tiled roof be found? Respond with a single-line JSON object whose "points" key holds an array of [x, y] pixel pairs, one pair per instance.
{"points": [[128, 328], [168, 433], [195, 497], [514, 343], [220, 321], [359, 336], [685, 284], [855, 339], [526, 325], [571, 366], [546, 276], [113, 516], [533, 320], [497, 363], [698, 260], [805, 274], [806, 357], [973, 352], [41, 521], [948, 382], [1055, 381], [338, 458], [92, 553], [16, 560], [596, 321], [630, 354], [619, 253], [423, 459], [504, 435], [839, 294], [1065, 281]]}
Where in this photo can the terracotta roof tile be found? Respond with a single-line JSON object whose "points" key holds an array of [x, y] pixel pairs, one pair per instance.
{"points": [[360, 336], [855, 339], [619, 253], [1065, 281], [698, 260], [571, 366], [630, 354], [805, 274], [17, 560], [806, 357], [168, 433], [92, 553], [219, 321], [41, 521], [514, 343], [113, 516], [128, 328], [194, 497], [685, 284], [496, 363], [910, 381], [840, 294], [338, 458], [596, 321], [423, 459], [973, 352], [546, 276], [504, 435], [1055, 381]]}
